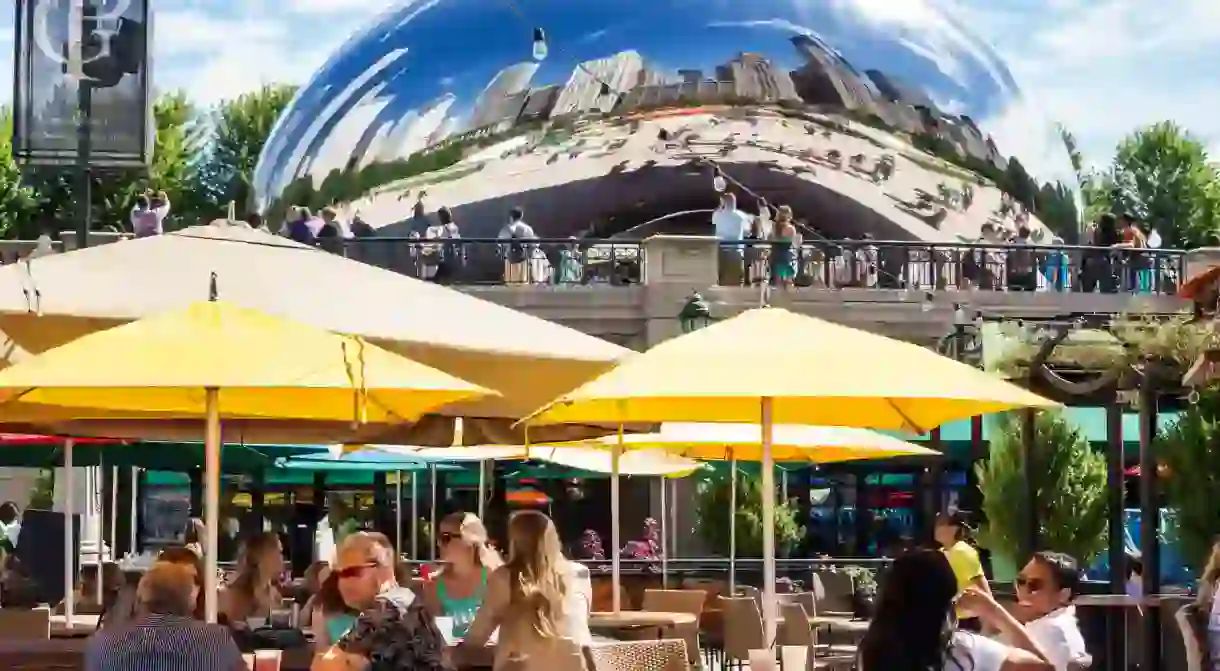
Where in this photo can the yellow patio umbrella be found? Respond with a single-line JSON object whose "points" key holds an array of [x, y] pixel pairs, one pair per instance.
{"points": [[216, 360], [772, 366], [743, 442], [56, 298]]}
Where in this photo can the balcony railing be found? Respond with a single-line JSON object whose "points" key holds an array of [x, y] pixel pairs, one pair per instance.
{"points": [[475, 261], [938, 266]]}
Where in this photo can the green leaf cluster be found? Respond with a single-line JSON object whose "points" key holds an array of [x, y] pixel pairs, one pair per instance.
{"points": [[1070, 481], [712, 510], [1191, 452]]}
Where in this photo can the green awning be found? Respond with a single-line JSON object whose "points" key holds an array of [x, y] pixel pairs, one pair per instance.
{"points": [[164, 456]]}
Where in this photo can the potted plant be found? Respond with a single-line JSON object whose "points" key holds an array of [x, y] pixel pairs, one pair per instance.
{"points": [[1071, 486], [864, 591], [712, 510], [1191, 462]]}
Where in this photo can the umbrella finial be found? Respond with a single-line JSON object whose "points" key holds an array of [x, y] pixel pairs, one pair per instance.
{"points": [[213, 291]]}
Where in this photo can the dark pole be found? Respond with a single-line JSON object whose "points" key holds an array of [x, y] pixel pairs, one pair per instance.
{"points": [[84, 130], [1029, 436], [258, 501], [1150, 517], [1115, 494], [1116, 489]]}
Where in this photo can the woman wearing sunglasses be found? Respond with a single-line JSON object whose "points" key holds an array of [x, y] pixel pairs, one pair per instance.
{"points": [[458, 589]]}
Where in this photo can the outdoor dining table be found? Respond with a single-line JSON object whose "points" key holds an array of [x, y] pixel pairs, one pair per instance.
{"points": [[845, 623], [625, 620], [83, 626]]}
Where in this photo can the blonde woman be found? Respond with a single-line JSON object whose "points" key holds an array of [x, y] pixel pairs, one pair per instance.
{"points": [[459, 588], [539, 600], [1208, 584], [247, 601]]}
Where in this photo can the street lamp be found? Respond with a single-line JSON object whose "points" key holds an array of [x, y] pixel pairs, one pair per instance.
{"points": [[695, 314]]}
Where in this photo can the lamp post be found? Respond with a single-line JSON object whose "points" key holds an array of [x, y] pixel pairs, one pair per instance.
{"points": [[696, 313]]}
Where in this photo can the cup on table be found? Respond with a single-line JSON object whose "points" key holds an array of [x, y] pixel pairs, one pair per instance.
{"points": [[266, 660], [445, 625], [763, 660], [794, 657]]}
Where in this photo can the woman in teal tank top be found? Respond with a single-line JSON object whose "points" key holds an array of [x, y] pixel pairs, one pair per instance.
{"points": [[458, 591]]}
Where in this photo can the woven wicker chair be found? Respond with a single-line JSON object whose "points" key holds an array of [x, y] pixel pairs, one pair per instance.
{"points": [[743, 630], [666, 655], [1196, 658]]}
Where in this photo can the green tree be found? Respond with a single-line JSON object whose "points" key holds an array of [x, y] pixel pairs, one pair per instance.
{"points": [[176, 143], [712, 511], [1070, 482], [18, 203], [1190, 450], [1163, 175], [240, 128]]}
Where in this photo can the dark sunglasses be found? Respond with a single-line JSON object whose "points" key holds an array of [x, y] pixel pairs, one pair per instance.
{"points": [[445, 537], [1031, 584], [353, 571]]}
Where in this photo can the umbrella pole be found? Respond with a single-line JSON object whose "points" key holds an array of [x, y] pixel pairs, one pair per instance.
{"points": [[768, 526], [69, 508], [482, 486], [733, 527], [432, 509], [664, 538], [398, 515], [672, 525], [414, 517], [114, 513], [135, 518], [211, 504], [101, 525], [616, 581]]}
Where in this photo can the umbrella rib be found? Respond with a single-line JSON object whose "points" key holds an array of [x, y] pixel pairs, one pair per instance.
{"points": [[909, 422]]}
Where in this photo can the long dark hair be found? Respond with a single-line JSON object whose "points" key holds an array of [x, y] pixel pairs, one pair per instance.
{"points": [[912, 628], [247, 578], [328, 598]]}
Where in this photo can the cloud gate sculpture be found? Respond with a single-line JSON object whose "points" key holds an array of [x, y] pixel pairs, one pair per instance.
{"points": [[620, 118]]}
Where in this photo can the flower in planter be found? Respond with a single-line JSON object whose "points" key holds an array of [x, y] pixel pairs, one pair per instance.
{"points": [[647, 548], [591, 546]]}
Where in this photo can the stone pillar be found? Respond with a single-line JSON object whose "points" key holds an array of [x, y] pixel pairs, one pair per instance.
{"points": [[87, 503], [674, 267]]}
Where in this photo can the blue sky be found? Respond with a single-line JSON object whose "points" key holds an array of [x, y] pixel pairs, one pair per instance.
{"points": [[1101, 67]]}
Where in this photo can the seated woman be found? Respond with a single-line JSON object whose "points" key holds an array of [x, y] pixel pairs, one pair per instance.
{"points": [[254, 592], [539, 601], [329, 616], [914, 627], [86, 598], [458, 589]]}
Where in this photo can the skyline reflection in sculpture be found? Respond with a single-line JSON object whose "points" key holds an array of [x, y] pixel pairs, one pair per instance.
{"points": [[445, 97]]}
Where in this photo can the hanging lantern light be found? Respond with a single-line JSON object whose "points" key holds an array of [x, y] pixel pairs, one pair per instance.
{"points": [[540, 48]]}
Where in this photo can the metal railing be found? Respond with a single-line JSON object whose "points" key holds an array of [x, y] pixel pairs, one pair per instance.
{"points": [[473, 261], [820, 263], [937, 266]]}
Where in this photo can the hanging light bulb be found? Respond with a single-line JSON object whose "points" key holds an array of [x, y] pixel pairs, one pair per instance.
{"points": [[718, 182], [540, 49]]}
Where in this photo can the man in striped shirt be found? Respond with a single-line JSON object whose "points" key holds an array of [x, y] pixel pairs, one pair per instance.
{"points": [[165, 637]]}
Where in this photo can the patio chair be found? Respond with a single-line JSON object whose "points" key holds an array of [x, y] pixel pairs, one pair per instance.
{"points": [[680, 601], [666, 655], [743, 630]]}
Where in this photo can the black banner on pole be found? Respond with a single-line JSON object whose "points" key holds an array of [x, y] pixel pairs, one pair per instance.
{"points": [[107, 49]]}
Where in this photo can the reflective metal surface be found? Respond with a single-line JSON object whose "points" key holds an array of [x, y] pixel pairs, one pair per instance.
{"points": [[887, 118]]}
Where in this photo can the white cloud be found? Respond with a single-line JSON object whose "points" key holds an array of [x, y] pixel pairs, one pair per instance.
{"points": [[1104, 67]]}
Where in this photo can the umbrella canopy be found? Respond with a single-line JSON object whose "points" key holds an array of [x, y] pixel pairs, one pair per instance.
{"points": [[262, 367], [814, 372], [743, 442], [34, 439], [586, 459], [367, 461], [526, 359]]}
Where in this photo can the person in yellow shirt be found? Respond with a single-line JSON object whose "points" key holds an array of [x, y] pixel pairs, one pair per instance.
{"points": [[951, 533]]}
